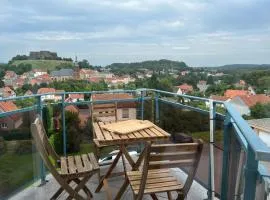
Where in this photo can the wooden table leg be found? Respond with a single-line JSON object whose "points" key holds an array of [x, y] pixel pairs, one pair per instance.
{"points": [[134, 165], [109, 171]]}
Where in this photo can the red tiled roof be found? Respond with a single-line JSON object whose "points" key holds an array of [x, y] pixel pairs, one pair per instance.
{"points": [[76, 96], [95, 79], [252, 100], [45, 90], [96, 97], [219, 98], [234, 93], [7, 106], [186, 87]]}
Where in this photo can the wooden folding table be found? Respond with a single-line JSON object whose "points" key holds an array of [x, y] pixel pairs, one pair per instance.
{"points": [[104, 137]]}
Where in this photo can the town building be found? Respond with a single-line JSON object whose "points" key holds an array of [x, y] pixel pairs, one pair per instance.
{"points": [[12, 121], [125, 110], [184, 89], [50, 97], [75, 98], [262, 128], [39, 72], [233, 93], [62, 75], [243, 103], [28, 92], [7, 92], [202, 85], [10, 78]]}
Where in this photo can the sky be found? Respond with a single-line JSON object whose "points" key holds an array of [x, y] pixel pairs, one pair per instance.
{"points": [[198, 32]]}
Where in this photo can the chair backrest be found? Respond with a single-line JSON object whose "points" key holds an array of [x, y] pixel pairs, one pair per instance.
{"points": [[103, 111], [159, 156], [42, 143]]}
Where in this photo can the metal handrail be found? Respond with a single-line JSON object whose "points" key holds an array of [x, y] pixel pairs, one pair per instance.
{"points": [[244, 133]]}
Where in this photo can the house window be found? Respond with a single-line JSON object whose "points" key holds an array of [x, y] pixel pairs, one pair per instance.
{"points": [[125, 113], [3, 125]]}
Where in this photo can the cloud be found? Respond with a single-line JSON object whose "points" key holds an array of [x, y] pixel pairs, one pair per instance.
{"points": [[200, 32]]}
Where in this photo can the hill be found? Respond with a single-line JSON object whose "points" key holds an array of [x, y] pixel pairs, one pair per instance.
{"points": [[156, 65], [244, 66], [43, 64]]}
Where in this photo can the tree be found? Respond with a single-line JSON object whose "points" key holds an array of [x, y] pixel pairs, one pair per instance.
{"points": [[84, 64], [260, 111], [210, 80]]}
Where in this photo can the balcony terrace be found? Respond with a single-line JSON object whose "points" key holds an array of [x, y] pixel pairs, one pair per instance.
{"points": [[234, 162]]}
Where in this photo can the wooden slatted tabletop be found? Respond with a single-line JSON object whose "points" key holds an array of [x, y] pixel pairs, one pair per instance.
{"points": [[104, 137]]}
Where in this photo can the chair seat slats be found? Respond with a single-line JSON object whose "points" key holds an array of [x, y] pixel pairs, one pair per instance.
{"points": [[79, 164], [157, 181]]}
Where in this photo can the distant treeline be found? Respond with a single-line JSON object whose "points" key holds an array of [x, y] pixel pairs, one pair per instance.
{"points": [[156, 65]]}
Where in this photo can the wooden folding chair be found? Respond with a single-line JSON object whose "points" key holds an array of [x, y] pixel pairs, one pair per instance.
{"points": [[156, 177], [78, 169], [103, 113]]}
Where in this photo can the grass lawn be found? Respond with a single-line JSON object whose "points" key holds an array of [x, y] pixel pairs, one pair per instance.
{"points": [[42, 64], [15, 171], [204, 135]]}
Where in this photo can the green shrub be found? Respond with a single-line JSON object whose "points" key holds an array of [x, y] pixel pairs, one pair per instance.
{"points": [[2, 145], [56, 141], [17, 134], [24, 147]]}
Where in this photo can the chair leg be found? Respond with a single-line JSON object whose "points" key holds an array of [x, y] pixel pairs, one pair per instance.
{"points": [[169, 194], [122, 190], [180, 196], [58, 192], [97, 154], [154, 197], [80, 186], [85, 189]]}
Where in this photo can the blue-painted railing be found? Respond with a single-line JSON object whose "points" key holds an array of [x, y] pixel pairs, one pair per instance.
{"points": [[238, 137]]}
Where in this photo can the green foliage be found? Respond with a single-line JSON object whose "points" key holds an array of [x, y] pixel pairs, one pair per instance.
{"points": [[16, 134], [73, 133], [56, 141], [19, 69], [41, 64], [180, 120], [260, 111], [15, 171], [210, 80], [259, 78], [78, 86], [132, 68], [84, 64], [192, 79], [47, 113], [218, 89], [24, 147], [27, 102], [66, 65], [161, 82]]}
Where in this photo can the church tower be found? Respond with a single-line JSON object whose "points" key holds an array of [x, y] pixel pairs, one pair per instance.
{"points": [[76, 69]]}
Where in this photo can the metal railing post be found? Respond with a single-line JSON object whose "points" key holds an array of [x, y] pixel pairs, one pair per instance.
{"points": [[41, 163], [156, 107], [225, 163], [251, 173], [211, 172], [142, 105], [64, 126]]}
